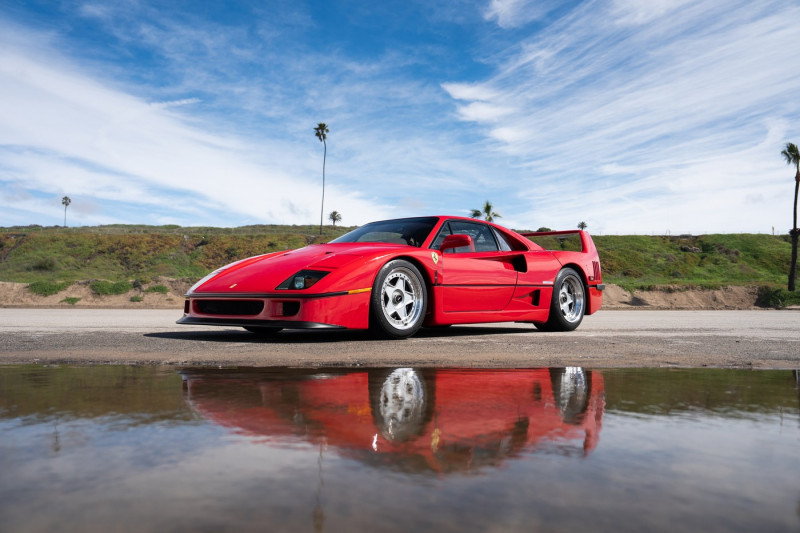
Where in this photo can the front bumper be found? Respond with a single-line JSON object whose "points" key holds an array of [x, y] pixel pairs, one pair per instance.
{"points": [[329, 311]]}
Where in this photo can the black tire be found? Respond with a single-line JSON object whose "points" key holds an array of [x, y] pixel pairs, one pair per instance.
{"points": [[399, 300], [568, 303], [262, 331]]}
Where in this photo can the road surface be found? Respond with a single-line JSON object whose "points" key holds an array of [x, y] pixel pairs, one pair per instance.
{"points": [[740, 339]]}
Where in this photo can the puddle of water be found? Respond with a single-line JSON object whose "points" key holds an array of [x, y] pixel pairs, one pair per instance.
{"points": [[152, 449]]}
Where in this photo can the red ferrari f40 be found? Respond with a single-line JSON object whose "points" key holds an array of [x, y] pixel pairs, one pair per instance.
{"points": [[396, 276]]}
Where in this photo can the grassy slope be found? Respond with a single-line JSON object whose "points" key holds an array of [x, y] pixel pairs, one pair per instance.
{"points": [[122, 252], [138, 252]]}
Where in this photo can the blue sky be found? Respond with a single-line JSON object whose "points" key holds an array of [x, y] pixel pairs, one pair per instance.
{"points": [[637, 117]]}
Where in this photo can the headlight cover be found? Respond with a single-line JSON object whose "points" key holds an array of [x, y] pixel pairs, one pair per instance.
{"points": [[304, 279]]}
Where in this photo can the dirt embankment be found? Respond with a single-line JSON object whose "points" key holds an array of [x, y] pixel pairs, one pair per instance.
{"points": [[734, 297], [80, 294]]}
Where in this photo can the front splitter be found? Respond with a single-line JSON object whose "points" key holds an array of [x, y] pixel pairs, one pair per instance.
{"points": [[285, 324]]}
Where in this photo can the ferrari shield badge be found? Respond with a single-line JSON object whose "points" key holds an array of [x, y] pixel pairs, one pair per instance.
{"points": [[435, 257]]}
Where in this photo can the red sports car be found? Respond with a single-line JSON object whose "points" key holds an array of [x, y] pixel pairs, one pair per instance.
{"points": [[396, 276]]}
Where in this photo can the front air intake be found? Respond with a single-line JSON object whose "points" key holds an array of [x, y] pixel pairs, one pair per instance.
{"points": [[229, 307]]}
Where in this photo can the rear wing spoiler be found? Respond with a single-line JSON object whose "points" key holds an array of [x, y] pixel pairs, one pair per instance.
{"points": [[587, 245]]}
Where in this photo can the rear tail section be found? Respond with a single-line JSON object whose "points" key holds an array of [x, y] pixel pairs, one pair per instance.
{"points": [[575, 248]]}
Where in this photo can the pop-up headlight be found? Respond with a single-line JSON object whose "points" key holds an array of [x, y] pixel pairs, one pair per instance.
{"points": [[303, 280]]}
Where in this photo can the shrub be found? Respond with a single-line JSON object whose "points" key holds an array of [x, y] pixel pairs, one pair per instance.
{"points": [[771, 297], [161, 289], [136, 298], [48, 288], [105, 288], [71, 300], [140, 282], [47, 264]]}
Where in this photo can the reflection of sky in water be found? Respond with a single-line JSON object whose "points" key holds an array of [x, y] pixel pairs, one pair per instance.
{"points": [[701, 467]]}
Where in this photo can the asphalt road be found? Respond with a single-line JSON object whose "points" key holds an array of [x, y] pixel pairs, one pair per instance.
{"points": [[749, 339]]}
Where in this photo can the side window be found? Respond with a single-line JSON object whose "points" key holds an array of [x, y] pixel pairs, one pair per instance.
{"points": [[482, 235], [443, 232], [501, 240]]}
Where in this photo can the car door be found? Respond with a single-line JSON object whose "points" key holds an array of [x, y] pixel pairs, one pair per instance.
{"points": [[477, 278]]}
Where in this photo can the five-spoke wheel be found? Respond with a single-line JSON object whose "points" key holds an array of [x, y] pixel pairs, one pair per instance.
{"points": [[568, 304], [399, 300]]}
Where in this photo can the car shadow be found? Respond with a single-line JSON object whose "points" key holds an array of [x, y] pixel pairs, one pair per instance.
{"points": [[309, 336]]}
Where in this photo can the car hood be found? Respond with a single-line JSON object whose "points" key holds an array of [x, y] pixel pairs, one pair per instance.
{"points": [[262, 274]]}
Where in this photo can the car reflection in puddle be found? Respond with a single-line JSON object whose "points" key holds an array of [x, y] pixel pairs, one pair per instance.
{"points": [[123, 448], [420, 420]]}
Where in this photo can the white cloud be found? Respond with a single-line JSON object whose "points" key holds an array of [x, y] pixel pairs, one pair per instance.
{"points": [[515, 13], [175, 103], [65, 131], [636, 12], [666, 123], [466, 91], [632, 116]]}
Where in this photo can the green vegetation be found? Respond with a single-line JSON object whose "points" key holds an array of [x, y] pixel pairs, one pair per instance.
{"points": [[104, 288], [707, 261], [791, 154], [487, 212], [161, 289], [137, 298], [71, 300], [48, 258], [48, 288], [772, 297], [122, 252], [321, 132]]}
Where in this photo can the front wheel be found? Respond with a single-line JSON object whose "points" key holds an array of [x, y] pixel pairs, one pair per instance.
{"points": [[399, 300], [568, 304]]}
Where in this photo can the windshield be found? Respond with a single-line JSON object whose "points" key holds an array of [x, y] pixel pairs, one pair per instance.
{"points": [[409, 231]]}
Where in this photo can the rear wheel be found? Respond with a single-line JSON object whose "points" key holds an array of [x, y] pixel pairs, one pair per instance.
{"points": [[568, 304], [572, 388], [399, 300]]}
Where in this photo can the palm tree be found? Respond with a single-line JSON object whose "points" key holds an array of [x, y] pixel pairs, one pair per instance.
{"points": [[487, 212], [582, 225], [66, 201], [335, 217], [321, 131], [792, 156]]}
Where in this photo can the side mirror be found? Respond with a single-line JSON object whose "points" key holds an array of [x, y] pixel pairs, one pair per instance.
{"points": [[456, 241]]}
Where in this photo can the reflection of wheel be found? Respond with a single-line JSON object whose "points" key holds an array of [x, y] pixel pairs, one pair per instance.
{"points": [[571, 391], [401, 402], [399, 300], [262, 331], [568, 304]]}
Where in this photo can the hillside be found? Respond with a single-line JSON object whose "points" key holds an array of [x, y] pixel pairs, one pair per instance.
{"points": [[154, 259]]}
